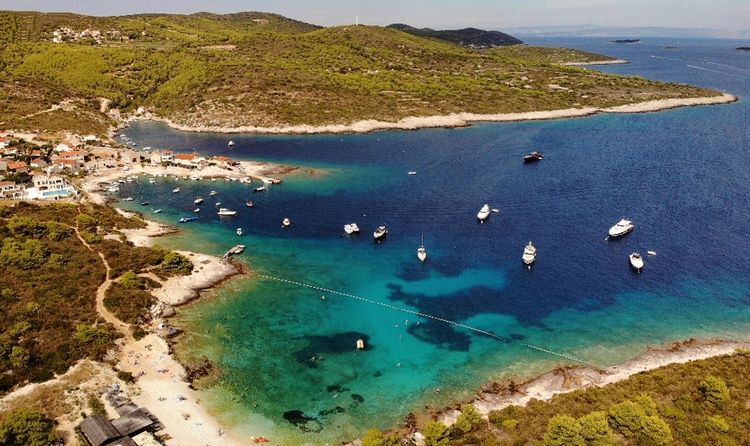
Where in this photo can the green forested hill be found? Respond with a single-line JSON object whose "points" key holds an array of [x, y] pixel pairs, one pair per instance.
{"points": [[264, 70]]}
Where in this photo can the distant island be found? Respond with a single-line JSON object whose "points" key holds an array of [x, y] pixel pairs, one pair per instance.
{"points": [[626, 40], [743, 48], [468, 37]]}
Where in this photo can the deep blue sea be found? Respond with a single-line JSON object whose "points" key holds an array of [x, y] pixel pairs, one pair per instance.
{"points": [[289, 368]]}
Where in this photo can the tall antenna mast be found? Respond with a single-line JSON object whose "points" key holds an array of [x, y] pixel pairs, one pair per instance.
{"points": [[356, 20]]}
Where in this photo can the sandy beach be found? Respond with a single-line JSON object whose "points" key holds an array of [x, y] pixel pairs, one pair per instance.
{"points": [[552, 383], [457, 119]]}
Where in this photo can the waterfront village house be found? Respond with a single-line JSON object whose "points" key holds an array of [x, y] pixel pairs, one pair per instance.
{"points": [[49, 187], [76, 155], [17, 166], [11, 191], [223, 161], [61, 164], [4, 142], [4, 165], [102, 158], [189, 160], [128, 156], [167, 156], [37, 163]]}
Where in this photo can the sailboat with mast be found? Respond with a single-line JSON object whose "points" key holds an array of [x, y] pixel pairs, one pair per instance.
{"points": [[421, 251]]}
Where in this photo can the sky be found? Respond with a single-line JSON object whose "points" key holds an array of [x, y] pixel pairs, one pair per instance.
{"points": [[490, 14]]}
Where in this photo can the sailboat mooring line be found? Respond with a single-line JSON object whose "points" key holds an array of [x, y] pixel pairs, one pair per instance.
{"points": [[427, 316]]}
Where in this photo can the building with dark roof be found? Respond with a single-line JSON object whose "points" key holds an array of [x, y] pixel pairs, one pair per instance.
{"points": [[98, 431]]}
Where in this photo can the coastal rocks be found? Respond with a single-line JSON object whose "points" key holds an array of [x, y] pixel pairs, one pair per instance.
{"points": [[209, 271], [304, 422], [162, 310]]}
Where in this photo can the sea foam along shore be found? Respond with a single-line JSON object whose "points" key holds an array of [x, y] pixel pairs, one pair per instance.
{"points": [[596, 62], [566, 380], [455, 119]]}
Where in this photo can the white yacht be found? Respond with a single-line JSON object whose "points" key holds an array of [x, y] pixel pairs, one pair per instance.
{"points": [[286, 222], [351, 228], [230, 144], [212, 193], [127, 199], [175, 190], [158, 211], [421, 251], [226, 212], [484, 212], [196, 210], [239, 231], [380, 233], [636, 261], [198, 200], [621, 228], [529, 254]]}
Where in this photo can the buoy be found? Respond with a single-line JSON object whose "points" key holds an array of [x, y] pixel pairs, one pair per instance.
{"points": [[360, 344]]}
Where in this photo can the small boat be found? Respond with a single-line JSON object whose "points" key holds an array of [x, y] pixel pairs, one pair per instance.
{"points": [[380, 233], [621, 228], [484, 212], [239, 231], [249, 203], [175, 190], [636, 261], [267, 181], [351, 228], [421, 251], [212, 193], [276, 181], [533, 156], [114, 188], [230, 144], [529, 254], [217, 204], [158, 211], [127, 199], [152, 181], [226, 212], [413, 172], [196, 210], [259, 189], [651, 253], [236, 249], [286, 222], [187, 219], [198, 200], [144, 203]]}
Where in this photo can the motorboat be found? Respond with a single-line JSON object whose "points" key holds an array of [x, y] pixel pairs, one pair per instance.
{"points": [[198, 200], [127, 199], [212, 193], [175, 190], [413, 172], [196, 210], [114, 188], [226, 212], [259, 189], [286, 222], [351, 228], [636, 261], [533, 156], [152, 181], [236, 249], [529, 254], [188, 219], [621, 228], [239, 231], [249, 203], [421, 251], [380, 233], [651, 253], [230, 144], [144, 203], [158, 211], [484, 213], [276, 180], [217, 204], [267, 181]]}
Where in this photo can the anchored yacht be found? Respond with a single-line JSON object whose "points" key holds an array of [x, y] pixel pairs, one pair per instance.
{"points": [[198, 200], [421, 251], [636, 261], [380, 233], [351, 228], [484, 213], [226, 212], [286, 222], [529, 254], [621, 228]]}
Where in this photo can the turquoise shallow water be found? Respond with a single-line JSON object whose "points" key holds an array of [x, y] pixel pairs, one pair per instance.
{"points": [[681, 175]]}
